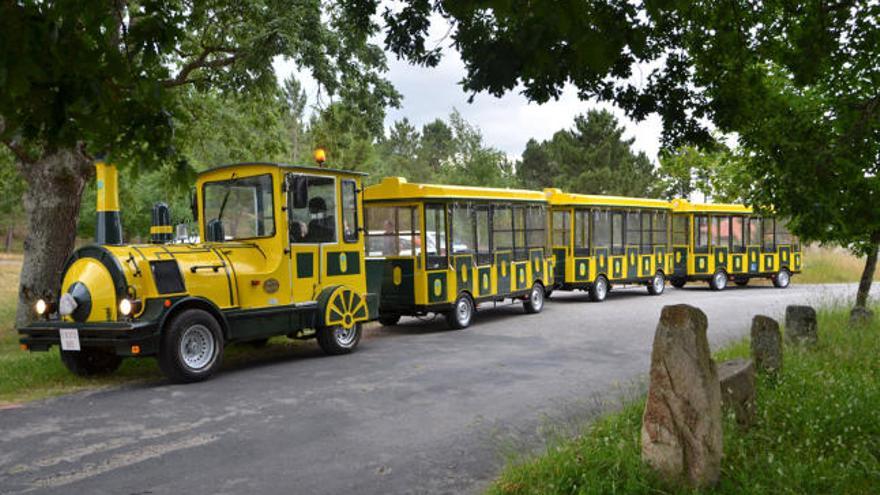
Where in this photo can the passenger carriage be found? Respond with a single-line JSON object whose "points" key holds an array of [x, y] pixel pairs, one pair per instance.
{"points": [[445, 249], [600, 241], [716, 243]]}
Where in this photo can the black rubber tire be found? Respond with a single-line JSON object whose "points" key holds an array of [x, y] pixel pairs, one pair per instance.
{"points": [[782, 282], [717, 282], [171, 362], [741, 281], [327, 340], [91, 362], [678, 283], [652, 286], [453, 317], [533, 305], [389, 320], [596, 292]]}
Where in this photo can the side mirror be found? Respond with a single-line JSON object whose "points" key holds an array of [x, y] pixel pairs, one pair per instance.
{"points": [[182, 233], [299, 187]]}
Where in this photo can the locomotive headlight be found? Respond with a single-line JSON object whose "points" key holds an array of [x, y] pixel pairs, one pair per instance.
{"points": [[40, 307], [125, 307]]}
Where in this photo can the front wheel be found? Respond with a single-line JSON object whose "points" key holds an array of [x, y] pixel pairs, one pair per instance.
{"points": [[599, 289], [462, 313], [718, 281], [335, 340], [782, 279], [91, 362], [741, 281], [657, 285], [678, 283], [192, 347], [535, 302]]}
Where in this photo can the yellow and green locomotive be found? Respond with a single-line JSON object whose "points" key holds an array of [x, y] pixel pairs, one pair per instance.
{"points": [[281, 254]]}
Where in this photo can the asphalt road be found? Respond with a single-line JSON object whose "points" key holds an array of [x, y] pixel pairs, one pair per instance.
{"points": [[418, 409]]}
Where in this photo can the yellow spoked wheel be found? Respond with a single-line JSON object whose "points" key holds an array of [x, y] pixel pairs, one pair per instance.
{"points": [[345, 308]]}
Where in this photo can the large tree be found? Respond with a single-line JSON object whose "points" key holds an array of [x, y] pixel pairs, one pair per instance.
{"points": [[592, 157], [797, 81], [83, 78]]}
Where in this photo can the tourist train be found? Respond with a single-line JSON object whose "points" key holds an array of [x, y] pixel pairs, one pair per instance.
{"points": [[309, 252]]}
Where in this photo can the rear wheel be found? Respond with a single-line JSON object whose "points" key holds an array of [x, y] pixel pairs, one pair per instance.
{"points": [[462, 312], [192, 347], [535, 302], [741, 281], [718, 281], [782, 279], [389, 320], [657, 285], [678, 283], [337, 339], [91, 362], [599, 289]]}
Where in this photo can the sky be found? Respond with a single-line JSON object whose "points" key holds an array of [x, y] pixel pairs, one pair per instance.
{"points": [[507, 123]]}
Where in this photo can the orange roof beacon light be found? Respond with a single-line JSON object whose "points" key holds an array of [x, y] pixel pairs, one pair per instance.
{"points": [[320, 156]]}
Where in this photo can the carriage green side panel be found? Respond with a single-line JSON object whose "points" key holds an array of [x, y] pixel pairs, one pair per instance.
{"points": [[396, 281], [375, 268]]}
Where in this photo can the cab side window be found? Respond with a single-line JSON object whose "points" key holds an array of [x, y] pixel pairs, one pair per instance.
{"points": [[312, 209], [349, 211]]}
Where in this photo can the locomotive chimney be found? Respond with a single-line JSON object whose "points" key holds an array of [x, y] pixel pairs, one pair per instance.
{"points": [[108, 229]]}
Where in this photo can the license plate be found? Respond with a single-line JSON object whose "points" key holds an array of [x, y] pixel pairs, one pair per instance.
{"points": [[69, 339]]}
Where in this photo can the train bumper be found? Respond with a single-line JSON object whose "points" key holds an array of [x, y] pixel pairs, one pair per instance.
{"points": [[126, 338]]}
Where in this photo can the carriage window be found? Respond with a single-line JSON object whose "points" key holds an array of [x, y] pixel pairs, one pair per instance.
{"points": [[582, 232], [536, 225], [783, 236], [561, 228], [659, 226], [484, 250], [349, 211], [316, 222], [633, 228], [769, 243], [680, 230], [462, 229], [244, 207], [502, 229], [602, 229], [435, 236], [392, 231], [721, 232], [519, 233], [701, 234], [645, 245], [617, 246], [737, 235], [754, 232]]}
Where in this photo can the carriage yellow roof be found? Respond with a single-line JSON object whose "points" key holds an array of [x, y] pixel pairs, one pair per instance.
{"points": [[685, 206], [559, 198], [397, 188]]}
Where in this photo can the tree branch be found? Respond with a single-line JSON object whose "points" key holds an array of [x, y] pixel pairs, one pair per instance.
{"points": [[202, 62]]}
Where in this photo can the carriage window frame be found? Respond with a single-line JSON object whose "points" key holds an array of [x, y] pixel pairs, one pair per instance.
{"points": [[470, 229], [660, 230], [754, 232], [582, 232], [483, 256], [738, 245], [632, 227], [435, 260], [646, 243], [390, 246], [701, 237], [764, 232], [541, 214], [503, 231], [565, 230], [352, 235], [601, 235], [259, 200], [680, 237], [618, 234], [520, 237], [720, 231]]}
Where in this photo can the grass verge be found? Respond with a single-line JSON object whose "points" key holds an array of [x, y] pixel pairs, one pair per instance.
{"points": [[818, 432]]}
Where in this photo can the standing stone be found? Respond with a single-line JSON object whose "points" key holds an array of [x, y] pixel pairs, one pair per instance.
{"points": [[766, 344], [860, 316], [800, 325], [737, 378], [681, 426]]}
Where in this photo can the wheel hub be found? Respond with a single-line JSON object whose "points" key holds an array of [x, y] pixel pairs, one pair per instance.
{"points": [[197, 347]]}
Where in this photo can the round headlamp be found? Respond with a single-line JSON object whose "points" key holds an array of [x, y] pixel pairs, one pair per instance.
{"points": [[40, 307], [125, 307]]}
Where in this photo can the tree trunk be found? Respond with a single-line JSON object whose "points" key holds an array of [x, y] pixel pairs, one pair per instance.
{"points": [[51, 204], [868, 274], [9, 238]]}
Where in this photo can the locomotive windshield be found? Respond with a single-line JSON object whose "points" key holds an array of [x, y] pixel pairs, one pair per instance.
{"points": [[239, 208]]}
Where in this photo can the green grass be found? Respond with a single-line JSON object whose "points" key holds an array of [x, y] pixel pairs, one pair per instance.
{"points": [[818, 431], [26, 376], [827, 265]]}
